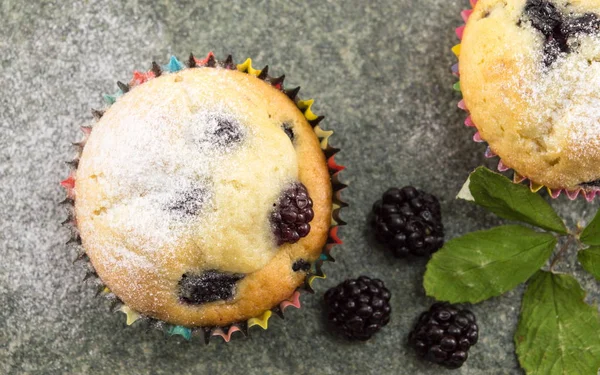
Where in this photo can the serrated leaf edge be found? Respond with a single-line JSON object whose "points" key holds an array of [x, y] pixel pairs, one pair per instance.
{"points": [[584, 264], [427, 270], [585, 234], [510, 185], [581, 295]]}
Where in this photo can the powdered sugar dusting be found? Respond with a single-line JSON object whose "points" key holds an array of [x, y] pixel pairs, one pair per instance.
{"points": [[563, 98], [181, 174], [567, 99]]}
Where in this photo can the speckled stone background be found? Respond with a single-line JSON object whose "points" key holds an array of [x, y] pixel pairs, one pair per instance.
{"points": [[379, 72]]}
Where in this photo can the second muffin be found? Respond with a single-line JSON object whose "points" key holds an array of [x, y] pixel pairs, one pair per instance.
{"points": [[529, 75]]}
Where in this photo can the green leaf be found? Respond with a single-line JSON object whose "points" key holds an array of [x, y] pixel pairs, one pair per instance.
{"points": [[510, 201], [484, 264], [591, 233], [558, 333], [590, 260]]}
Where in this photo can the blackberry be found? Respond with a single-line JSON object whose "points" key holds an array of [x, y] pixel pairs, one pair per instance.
{"points": [[553, 48], [209, 286], [359, 307], [301, 265], [543, 16], [292, 214], [557, 29], [444, 335], [408, 221], [548, 20], [227, 132], [287, 128], [587, 24]]}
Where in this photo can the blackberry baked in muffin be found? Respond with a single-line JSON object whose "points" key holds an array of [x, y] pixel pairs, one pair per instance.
{"points": [[203, 196], [530, 78]]}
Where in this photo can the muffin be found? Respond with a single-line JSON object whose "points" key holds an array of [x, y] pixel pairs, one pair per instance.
{"points": [[529, 76], [203, 196]]}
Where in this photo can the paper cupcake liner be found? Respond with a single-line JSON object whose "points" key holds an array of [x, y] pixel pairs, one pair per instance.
{"points": [[589, 193], [225, 332]]}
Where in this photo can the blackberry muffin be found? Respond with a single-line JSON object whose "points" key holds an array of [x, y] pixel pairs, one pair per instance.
{"points": [[530, 78], [202, 196]]}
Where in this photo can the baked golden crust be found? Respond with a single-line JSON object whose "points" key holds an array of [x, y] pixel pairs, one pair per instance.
{"points": [[543, 121], [141, 255]]}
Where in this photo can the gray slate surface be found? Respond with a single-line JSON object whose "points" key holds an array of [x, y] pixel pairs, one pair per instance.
{"points": [[379, 72]]}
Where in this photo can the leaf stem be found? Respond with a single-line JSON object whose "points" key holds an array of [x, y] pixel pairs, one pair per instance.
{"points": [[562, 251]]}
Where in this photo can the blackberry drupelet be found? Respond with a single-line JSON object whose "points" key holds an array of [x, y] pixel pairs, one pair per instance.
{"points": [[444, 334], [292, 214], [408, 221], [359, 307]]}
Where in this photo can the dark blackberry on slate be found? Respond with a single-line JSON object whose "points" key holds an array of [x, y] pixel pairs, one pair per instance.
{"points": [[358, 308], [408, 221], [292, 214], [209, 286], [444, 334]]}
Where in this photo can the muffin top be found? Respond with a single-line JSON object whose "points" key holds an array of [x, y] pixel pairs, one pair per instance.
{"points": [[530, 77], [202, 197]]}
